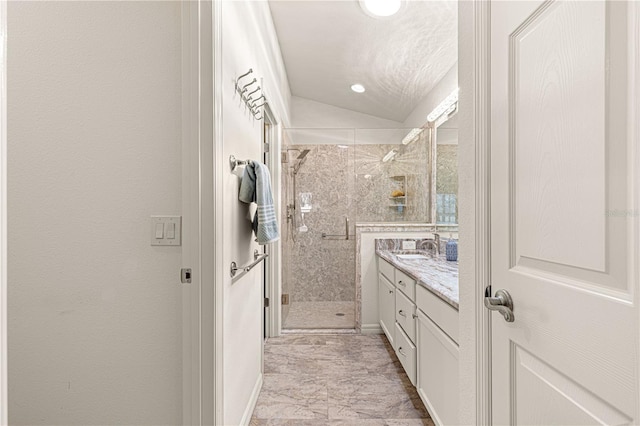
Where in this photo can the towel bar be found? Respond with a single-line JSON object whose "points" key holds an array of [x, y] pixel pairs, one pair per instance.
{"points": [[234, 162], [257, 258]]}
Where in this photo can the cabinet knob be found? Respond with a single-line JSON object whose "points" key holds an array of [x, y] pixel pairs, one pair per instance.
{"points": [[390, 291]]}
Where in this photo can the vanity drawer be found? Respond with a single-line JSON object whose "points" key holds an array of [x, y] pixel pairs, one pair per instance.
{"points": [[405, 311], [440, 312], [406, 352], [386, 269], [406, 284]]}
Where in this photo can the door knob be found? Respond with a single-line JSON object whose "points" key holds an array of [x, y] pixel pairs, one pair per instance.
{"points": [[502, 303]]}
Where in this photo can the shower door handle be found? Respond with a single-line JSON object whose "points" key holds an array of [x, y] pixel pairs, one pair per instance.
{"points": [[346, 224], [326, 236]]}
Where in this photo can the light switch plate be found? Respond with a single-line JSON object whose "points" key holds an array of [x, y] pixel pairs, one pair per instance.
{"points": [[165, 222], [408, 245]]}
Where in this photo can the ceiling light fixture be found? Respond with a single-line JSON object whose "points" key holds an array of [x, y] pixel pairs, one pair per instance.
{"points": [[444, 106], [343, 146], [389, 155], [411, 136], [358, 88], [381, 8]]}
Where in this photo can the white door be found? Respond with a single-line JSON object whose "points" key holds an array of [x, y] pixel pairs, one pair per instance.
{"points": [[565, 133]]}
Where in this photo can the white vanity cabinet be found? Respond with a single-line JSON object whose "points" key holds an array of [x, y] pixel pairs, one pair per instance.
{"points": [[398, 316], [423, 330], [437, 368]]}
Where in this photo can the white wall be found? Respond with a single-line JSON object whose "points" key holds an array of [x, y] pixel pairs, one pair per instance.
{"points": [[248, 41], [94, 139]]}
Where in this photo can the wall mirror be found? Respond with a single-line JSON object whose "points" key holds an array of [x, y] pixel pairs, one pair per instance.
{"points": [[444, 145]]}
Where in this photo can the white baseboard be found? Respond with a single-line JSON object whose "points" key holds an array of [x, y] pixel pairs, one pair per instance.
{"points": [[371, 329], [248, 412]]}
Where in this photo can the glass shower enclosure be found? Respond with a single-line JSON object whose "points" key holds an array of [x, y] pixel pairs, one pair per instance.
{"points": [[332, 179], [319, 248]]}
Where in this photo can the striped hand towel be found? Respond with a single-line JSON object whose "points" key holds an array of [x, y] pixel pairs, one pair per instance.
{"points": [[256, 188]]}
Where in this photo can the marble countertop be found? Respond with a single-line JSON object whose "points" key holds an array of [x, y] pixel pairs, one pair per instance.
{"points": [[435, 273]]}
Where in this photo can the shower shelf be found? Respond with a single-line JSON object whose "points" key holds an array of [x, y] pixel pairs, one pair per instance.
{"points": [[399, 201]]}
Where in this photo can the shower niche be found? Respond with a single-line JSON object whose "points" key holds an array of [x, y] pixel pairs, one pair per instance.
{"points": [[331, 180]]}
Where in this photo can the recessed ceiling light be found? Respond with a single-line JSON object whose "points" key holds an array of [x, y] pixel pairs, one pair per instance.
{"points": [[381, 8], [358, 88], [343, 146]]}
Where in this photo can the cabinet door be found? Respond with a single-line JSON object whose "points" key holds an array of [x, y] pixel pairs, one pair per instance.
{"points": [[387, 307], [437, 372]]}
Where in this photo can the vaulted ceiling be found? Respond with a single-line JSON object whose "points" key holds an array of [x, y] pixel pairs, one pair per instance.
{"points": [[329, 45]]}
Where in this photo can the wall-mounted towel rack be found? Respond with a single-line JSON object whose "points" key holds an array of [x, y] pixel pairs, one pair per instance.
{"points": [[247, 91], [234, 162], [257, 258]]}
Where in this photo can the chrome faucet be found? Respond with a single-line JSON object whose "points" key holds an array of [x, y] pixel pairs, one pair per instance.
{"points": [[436, 246]]}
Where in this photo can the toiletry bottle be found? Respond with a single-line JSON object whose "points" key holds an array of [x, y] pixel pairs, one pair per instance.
{"points": [[452, 249]]}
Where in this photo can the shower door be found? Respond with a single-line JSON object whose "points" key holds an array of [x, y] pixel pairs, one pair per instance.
{"points": [[318, 229]]}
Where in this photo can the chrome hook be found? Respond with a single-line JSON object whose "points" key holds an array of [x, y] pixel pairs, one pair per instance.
{"points": [[255, 101], [243, 76], [248, 97], [258, 106], [246, 86]]}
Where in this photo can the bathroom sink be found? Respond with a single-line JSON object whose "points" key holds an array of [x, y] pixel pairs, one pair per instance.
{"points": [[411, 256]]}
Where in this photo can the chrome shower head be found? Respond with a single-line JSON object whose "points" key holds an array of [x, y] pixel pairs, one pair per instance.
{"points": [[303, 154], [302, 157]]}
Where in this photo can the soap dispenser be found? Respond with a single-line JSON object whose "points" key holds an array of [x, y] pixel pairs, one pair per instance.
{"points": [[452, 249]]}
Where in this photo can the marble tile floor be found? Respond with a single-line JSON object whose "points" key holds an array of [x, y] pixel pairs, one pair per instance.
{"points": [[320, 315], [336, 380]]}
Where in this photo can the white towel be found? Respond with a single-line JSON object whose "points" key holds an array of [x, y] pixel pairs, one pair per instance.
{"points": [[256, 188]]}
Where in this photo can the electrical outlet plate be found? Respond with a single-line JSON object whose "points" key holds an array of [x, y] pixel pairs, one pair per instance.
{"points": [[408, 245]]}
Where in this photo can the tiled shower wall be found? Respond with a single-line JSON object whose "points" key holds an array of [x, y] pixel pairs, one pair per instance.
{"points": [[447, 183], [348, 182]]}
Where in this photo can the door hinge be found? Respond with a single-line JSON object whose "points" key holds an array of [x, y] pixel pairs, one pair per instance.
{"points": [[283, 158], [266, 147], [266, 302], [285, 299], [185, 275]]}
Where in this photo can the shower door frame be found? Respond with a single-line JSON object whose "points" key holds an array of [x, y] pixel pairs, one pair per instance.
{"points": [[273, 263]]}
